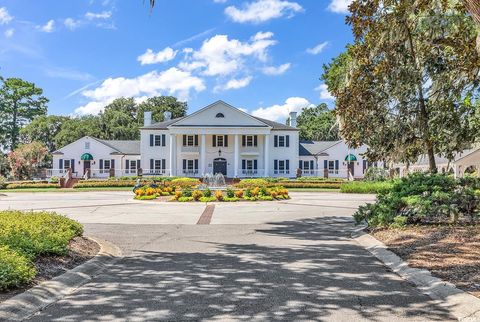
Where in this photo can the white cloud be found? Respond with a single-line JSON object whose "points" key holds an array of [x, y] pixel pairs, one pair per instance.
{"points": [[171, 81], [281, 112], [272, 70], [5, 17], [9, 32], [324, 93], [234, 84], [149, 57], [222, 56], [99, 15], [339, 6], [71, 23], [318, 48], [48, 27], [262, 10]]}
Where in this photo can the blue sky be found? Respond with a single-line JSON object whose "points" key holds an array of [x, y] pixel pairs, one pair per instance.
{"points": [[264, 56]]}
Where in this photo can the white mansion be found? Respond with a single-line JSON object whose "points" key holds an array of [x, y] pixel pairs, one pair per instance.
{"points": [[218, 138]]}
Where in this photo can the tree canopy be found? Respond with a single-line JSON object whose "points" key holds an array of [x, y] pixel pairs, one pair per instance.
{"points": [[317, 123], [408, 84]]}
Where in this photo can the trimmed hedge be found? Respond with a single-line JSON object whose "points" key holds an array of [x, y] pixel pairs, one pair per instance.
{"points": [[366, 187], [319, 184], [32, 185], [26, 235], [103, 184]]}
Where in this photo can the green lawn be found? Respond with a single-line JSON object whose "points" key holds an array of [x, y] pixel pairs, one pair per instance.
{"points": [[67, 190], [312, 190]]}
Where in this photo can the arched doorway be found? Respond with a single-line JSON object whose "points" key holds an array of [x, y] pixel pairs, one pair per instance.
{"points": [[220, 166], [351, 159], [87, 159]]}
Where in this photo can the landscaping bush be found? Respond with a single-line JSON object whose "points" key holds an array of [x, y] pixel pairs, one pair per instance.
{"points": [[230, 193], [318, 179], [150, 197], [219, 195], [32, 185], [3, 182], [265, 198], [423, 198], [231, 199], [376, 174], [197, 194], [183, 182], [186, 192], [35, 233], [207, 193], [105, 183], [239, 194], [366, 187], [54, 180], [185, 199], [207, 199], [15, 269], [250, 183]]}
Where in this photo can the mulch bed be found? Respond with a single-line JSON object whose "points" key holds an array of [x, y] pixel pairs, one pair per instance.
{"points": [[81, 249], [451, 253]]}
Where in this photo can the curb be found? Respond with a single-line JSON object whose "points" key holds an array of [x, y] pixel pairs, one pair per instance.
{"points": [[462, 305], [24, 305]]}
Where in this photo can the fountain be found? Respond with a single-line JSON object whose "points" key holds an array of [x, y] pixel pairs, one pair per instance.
{"points": [[213, 182]]}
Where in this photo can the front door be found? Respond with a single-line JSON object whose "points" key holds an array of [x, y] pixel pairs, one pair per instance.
{"points": [[86, 166], [351, 168], [220, 166]]}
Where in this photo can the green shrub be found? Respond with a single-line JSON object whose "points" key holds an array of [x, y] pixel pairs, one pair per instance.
{"points": [[207, 199], [231, 199], [183, 182], [150, 197], [265, 198], [366, 187], [15, 269], [207, 193], [35, 233], [264, 191], [376, 174], [186, 192], [423, 198], [3, 182], [185, 199], [250, 183], [230, 193], [248, 193], [105, 183], [250, 198]]}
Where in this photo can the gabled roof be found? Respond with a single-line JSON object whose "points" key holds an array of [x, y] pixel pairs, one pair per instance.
{"points": [[123, 146], [423, 159], [308, 148], [263, 122]]}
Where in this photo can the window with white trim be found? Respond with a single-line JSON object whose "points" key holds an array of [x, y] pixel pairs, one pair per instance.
{"points": [[87, 145], [106, 165], [281, 166], [133, 165], [190, 166], [67, 163], [157, 140], [220, 140], [249, 166]]}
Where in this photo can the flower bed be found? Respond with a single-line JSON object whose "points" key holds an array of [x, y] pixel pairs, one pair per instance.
{"points": [[186, 194], [26, 235]]}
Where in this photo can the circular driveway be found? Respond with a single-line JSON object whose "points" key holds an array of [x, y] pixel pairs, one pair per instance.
{"points": [[284, 261]]}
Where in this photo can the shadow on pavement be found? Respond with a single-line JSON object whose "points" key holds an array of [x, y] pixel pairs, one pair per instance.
{"points": [[319, 273]]}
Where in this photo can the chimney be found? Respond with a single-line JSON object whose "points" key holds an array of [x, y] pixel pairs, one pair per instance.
{"points": [[167, 116], [147, 118], [293, 119]]}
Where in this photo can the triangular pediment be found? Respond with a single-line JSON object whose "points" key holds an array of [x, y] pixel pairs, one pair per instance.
{"points": [[219, 114]]}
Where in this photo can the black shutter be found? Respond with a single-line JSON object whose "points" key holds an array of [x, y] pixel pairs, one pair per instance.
{"points": [[325, 164], [138, 165], [196, 140], [164, 140], [72, 164], [127, 164], [336, 164], [244, 140], [184, 140], [196, 164], [255, 164], [287, 165], [275, 165], [164, 163], [244, 164], [101, 164], [275, 141], [112, 164], [311, 165], [214, 137], [300, 163], [152, 165], [60, 163], [225, 141], [184, 164], [255, 140], [287, 141], [151, 139]]}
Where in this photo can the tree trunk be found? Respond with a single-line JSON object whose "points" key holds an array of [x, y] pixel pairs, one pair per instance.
{"points": [[13, 132], [473, 6]]}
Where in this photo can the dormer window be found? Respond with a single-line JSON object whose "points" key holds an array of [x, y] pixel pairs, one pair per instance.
{"points": [[219, 115]]}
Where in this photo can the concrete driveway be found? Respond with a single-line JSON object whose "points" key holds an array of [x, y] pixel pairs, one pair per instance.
{"points": [[287, 261]]}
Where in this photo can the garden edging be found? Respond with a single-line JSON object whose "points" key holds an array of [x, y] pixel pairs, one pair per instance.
{"points": [[462, 305], [40, 296]]}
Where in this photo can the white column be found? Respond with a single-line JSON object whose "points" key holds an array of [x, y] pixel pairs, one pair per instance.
{"points": [[173, 146], [203, 152], [236, 149], [266, 156]]}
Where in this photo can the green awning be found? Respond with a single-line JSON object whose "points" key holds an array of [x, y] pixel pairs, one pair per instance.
{"points": [[350, 158], [86, 157]]}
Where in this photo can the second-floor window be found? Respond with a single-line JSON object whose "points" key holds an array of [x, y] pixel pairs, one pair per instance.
{"points": [[220, 140], [249, 140], [190, 140], [282, 141]]}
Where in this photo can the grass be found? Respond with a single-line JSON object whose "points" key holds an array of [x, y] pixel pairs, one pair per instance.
{"points": [[312, 190], [68, 190]]}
